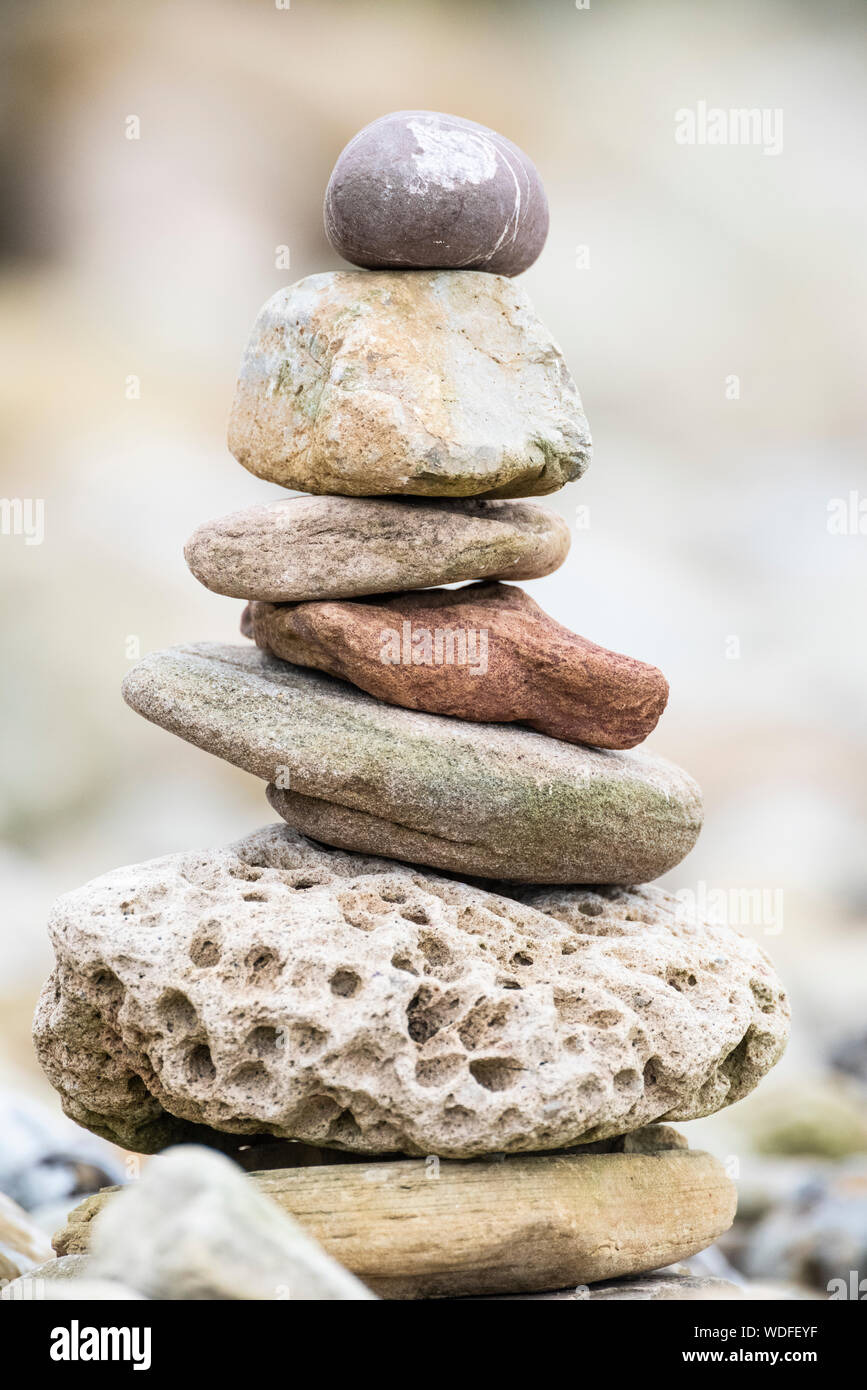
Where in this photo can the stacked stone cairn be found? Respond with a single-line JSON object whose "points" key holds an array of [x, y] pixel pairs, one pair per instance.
{"points": [[436, 1001]]}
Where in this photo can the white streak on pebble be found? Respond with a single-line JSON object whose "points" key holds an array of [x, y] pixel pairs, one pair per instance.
{"points": [[450, 157]]}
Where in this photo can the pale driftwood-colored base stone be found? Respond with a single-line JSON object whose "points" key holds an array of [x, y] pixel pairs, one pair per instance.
{"points": [[422, 1229]]}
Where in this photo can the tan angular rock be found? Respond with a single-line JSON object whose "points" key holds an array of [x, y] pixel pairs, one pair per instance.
{"points": [[479, 799], [277, 987], [425, 1229], [339, 547], [438, 383], [484, 652]]}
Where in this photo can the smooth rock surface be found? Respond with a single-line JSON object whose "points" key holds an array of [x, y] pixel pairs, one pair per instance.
{"points": [[665, 1288], [22, 1244], [68, 1291], [486, 652], [427, 1229], [278, 987], [417, 189], [308, 548], [45, 1161], [477, 799], [438, 383], [818, 1237], [194, 1227]]}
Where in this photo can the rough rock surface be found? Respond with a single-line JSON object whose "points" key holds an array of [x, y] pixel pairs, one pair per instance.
{"points": [[439, 383], [194, 1227], [419, 1229], [416, 189], [277, 987], [339, 547], [473, 798], [485, 652]]}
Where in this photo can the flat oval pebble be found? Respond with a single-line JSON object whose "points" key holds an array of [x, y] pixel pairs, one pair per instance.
{"points": [[340, 547], [434, 383], [419, 189], [276, 987], [485, 652], [481, 799]]}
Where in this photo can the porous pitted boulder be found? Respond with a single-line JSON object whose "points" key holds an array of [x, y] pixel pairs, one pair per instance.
{"points": [[278, 987]]}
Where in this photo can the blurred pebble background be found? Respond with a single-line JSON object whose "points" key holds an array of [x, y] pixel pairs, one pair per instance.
{"points": [[132, 269]]}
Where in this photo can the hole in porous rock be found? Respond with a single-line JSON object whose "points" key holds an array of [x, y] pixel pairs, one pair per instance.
{"points": [[505, 983], [106, 984], [454, 1116], [734, 1063], [205, 951], [249, 1077], [361, 910], [199, 1064], [764, 997], [304, 883], [392, 895], [344, 1129], [262, 964], [652, 1071], [437, 1071], [417, 915], [315, 1115], [590, 908], [495, 1073], [521, 958], [427, 1013], [627, 1080], [265, 1041], [344, 983], [176, 1013], [245, 872], [435, 952], [404, 963], [677, 979], [476, 1029], [257, 897]]}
